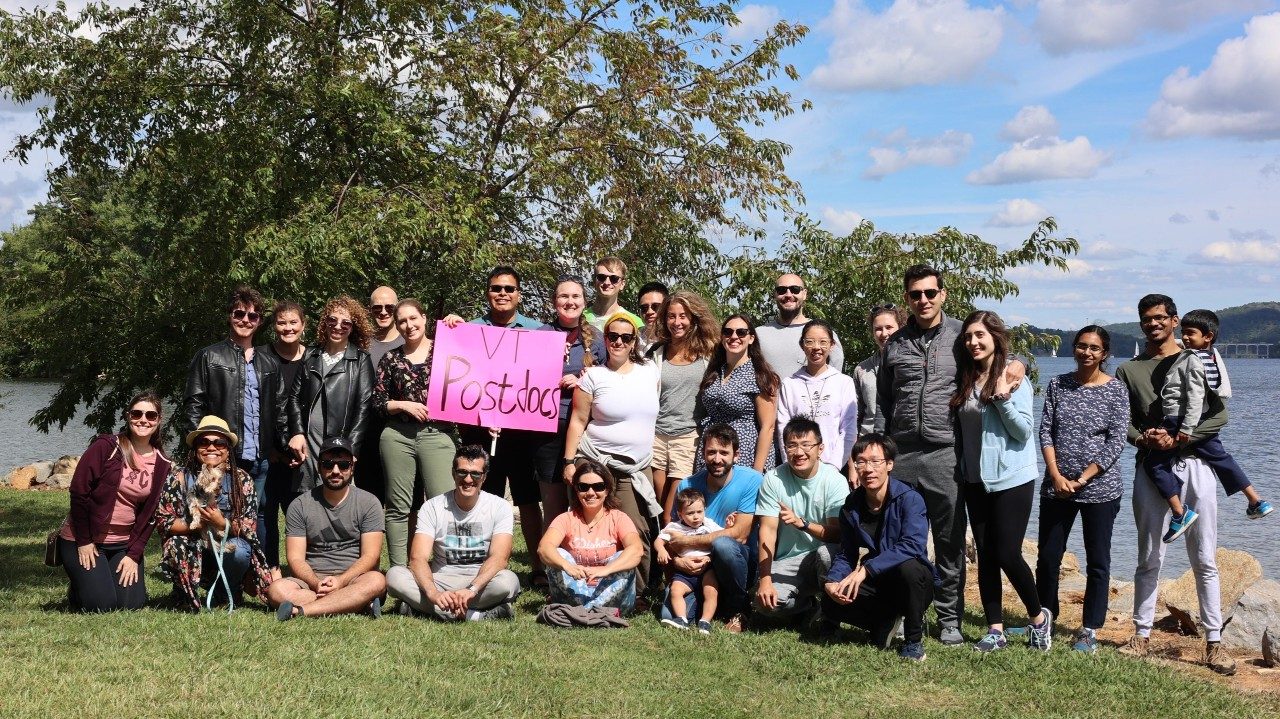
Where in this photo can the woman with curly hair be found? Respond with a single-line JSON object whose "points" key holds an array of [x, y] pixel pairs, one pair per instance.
{"points": [[332, 394], [209, 515], [687, 333], [740, 389]]}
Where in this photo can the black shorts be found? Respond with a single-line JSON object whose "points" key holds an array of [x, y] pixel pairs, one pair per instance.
{"points": [[511, 464]]}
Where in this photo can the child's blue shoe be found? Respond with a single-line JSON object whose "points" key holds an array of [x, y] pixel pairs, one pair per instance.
{"points": [[1180, 525], [1259, 510]]}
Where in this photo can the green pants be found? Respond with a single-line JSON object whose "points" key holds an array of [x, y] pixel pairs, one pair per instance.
{"points": [[410, 450]]}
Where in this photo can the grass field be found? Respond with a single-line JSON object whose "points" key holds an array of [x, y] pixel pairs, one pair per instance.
{"points": [[161, 663]]}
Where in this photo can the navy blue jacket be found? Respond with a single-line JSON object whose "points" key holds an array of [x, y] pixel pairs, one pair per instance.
{"points": [[904, 530]]}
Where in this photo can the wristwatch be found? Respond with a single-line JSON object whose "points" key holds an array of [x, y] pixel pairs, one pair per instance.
{"points": [[471, 588]]}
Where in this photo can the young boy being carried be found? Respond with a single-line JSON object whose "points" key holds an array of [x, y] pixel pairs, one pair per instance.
{"points": [[691, 507], [1197, 373]]}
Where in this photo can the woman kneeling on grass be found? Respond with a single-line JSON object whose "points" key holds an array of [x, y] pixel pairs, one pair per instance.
{"points": [[998, 466], [591, 551], [114, 493], [210, 506]]}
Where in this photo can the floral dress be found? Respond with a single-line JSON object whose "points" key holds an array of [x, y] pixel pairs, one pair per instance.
{"points": [[734, 403], [181, 556]]}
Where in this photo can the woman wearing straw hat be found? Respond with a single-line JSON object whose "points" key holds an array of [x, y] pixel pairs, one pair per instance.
{"points": [[208, 515]]}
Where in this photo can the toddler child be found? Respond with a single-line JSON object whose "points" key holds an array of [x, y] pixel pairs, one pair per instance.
{"points": [[691, 507]]}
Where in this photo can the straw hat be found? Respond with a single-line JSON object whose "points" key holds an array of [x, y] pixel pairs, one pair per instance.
{"points": [[210, 424]]}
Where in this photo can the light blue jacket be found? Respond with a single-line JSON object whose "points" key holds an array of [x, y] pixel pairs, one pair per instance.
{"points": [[1009, 445]]}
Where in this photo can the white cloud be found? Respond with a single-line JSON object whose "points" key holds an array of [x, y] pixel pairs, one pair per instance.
{"points": [[1017, 213], [899, 151], [1067, 26], [841, 222], [1246, 252], [1238, 95], [1178, 218], [753, 22], [1103, 250], [1031, 121], [913, 42], [1041, 158], [1076, 268]]}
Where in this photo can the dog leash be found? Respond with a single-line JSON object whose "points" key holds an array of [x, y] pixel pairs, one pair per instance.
{"points": [[218, 550]]}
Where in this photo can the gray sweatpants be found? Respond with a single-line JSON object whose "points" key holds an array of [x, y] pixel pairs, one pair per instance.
{"points": [[504, 587], [798, 581], [931, 469], [1151, 512]]}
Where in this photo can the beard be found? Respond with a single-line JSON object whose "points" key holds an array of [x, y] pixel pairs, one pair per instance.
{"points": [[339, 482]]}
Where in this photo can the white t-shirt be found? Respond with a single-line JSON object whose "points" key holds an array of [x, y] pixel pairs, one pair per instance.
{"points": [[680, 528], [462, 538], [624, 410]]}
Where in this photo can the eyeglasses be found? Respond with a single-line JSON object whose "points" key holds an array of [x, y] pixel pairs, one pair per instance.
{"points": [[816, 343], [1092, 349], [864, 463], [625, 338], [727, 332], [379, 309], [915, 295], [241, 314], [151, 415], [597, 487], [468, 474], [503, 289], [652, 307], [218, 442], [800, 446], [1157, 319], [341, 464], [782, 290], [611, 279], [338, 324]]}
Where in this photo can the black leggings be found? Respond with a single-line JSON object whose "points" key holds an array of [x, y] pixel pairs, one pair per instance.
{"points": [[999, 521], [1056, 518], [98, 589]]}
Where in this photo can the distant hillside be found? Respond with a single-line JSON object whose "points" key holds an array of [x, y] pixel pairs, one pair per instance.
{"points": [[1254, 322]]}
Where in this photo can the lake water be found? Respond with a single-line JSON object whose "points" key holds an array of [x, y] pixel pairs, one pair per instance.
{"points": [[1251, 437]]}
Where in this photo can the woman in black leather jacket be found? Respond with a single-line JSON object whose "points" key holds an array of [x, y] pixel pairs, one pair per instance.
{"points": [[331, 396]]}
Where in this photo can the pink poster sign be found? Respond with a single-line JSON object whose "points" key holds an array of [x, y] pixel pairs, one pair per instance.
{"points": [[496, 377]]}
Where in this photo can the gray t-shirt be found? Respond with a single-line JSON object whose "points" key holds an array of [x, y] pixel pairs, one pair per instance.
{"points": [[970, 416], [462, 537], [781, 347], [678, 397], [378, 348], [333, 533]]}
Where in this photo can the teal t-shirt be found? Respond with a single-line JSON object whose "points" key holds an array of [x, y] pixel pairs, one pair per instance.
{"points": [[816, 499]]}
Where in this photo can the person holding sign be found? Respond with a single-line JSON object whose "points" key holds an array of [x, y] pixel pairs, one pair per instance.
{"points": [[615, 408], [412, 444]]}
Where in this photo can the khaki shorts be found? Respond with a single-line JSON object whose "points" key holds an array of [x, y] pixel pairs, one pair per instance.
{"points": [[675, 454]]}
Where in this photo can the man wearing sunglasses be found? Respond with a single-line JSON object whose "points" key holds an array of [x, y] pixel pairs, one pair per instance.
{"points": [[458, 560], [916, 380], [652, 295], [780, 339], [333, 544], [609, 280], [382, 308], [232, 379]]}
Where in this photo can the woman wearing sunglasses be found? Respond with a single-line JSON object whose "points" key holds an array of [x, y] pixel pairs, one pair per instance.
{"points": [[614, 410], [883, 320], [332, 395], [227, 523], [740, 389], [592, 551], [114, 494]]}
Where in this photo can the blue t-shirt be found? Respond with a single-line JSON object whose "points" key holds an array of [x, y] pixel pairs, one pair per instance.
{"points": [[737, 495], [520, 322]]}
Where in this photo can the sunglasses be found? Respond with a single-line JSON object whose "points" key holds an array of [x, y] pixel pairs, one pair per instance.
{"points": [[727, 332], [151, 415], [503, 289], [611, 279], [342, 464], [886, 307], [379, 309], [598, 487], [468, 474], [915, 295], [625, 338], [654, 307], [218, 442], [338, 324], [241, 314], [782, 290]]}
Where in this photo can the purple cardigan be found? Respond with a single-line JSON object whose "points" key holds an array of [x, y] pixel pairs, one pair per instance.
{"points": [[95, 487]]}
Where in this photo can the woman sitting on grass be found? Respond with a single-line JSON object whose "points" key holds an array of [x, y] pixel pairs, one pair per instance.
{"points": [[114, 493], [197, 522], [591, 552]]}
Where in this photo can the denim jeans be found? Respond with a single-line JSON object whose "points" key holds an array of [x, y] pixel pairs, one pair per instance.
{"points": [[732, 562], [257, 469], [616, 590]]}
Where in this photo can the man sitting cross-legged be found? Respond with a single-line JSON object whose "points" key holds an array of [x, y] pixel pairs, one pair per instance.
{"points": [[458, 559], [333, 543]]}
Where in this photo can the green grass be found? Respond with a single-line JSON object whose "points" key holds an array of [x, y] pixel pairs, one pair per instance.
{"points": [[161, 663]]}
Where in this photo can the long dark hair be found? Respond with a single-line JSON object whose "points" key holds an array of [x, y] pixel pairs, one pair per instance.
{"points": [[1102, 334], [590, 466], [968, 368], [157, 437], [238, 499], [766, 378]]}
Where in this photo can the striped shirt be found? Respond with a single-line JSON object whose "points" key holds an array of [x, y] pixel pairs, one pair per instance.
{"points": [[1211, 373]]}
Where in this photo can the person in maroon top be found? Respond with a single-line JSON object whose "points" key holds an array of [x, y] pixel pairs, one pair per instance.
{"points": [[114, 494]]}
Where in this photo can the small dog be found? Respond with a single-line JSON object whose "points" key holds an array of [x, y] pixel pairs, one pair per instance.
{"points": [[204, 493]]}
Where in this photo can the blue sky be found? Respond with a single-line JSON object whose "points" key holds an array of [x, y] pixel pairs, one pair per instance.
{"points": [[1148, 128]]}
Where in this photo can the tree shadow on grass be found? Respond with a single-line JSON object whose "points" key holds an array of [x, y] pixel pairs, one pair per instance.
{"points": [[24, 523]]}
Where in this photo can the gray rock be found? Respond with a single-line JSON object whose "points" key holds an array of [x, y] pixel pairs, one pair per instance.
{"points": [[1120, 600], [59, 481], [1270, 648], [1257, 610], [1237, 571]]}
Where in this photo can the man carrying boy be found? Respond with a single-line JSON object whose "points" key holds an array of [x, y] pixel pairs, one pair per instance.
{"points": [[887, 518], [1144, 375], [1195, 379], [691, 508]]}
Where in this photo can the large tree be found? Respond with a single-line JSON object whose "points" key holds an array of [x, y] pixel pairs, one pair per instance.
{"points": [[325, 146]]}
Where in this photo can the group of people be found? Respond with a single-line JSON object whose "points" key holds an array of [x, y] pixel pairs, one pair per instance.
{"points": [[766, 482]]}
